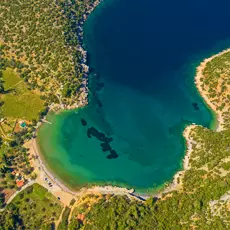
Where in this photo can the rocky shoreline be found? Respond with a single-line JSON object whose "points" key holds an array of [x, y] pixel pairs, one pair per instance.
{"points": [[176, 183], [84, 90], [198, 77], [83, 101], [59, 189]]}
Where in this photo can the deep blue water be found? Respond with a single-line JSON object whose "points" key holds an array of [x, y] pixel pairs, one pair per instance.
{"points": [[145, 53]]}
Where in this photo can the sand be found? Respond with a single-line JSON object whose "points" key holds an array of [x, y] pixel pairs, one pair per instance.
{"points": [[58, 189]]}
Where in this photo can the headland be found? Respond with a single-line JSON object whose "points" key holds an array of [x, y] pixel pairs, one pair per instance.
{"points": [[220, 117], [203, 89]]}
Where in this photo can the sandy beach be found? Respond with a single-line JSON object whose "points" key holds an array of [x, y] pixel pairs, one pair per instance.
{"points": [[58, 188]]}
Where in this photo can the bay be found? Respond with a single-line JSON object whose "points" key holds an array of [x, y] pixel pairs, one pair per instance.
{"points": [[145, 55]]}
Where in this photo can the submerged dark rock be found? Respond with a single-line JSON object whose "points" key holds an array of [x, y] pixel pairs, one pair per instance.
{"points": [[89, 133], [105, 141], [108, 139], [83, 121], [92, 132], [99, 103], [195, 106], [101, 136], [113, 154], [100, 85], [105, 147]]}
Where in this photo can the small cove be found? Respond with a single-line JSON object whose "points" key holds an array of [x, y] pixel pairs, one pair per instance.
{"points": [[145, 57]]}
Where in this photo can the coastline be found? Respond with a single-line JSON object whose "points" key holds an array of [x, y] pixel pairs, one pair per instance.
{"points": [[199, 75], [176, 183], [83, 98], [83, 101], [59, 189]]}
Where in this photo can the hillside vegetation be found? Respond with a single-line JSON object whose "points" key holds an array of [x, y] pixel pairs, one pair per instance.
{"points": [[34, 208], [39, 39], [42, 65], [216, 84]]}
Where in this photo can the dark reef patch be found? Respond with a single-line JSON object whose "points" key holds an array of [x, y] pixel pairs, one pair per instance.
{"points": [[83, 121], [93, 132], [105, 147], [113, 154], [100, 85], [195, 106], [99, 103]]}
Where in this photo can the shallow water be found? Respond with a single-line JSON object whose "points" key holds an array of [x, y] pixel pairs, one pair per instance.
{"points": [[145, 54]]}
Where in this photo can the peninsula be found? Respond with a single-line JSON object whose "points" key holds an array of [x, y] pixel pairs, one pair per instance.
{"points": [[43, 68]]}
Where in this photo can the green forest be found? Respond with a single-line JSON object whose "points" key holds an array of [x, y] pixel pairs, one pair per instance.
{"points": [[41, 42]]}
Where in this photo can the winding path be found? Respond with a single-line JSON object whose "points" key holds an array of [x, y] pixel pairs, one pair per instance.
{"points": [[17, 192]]}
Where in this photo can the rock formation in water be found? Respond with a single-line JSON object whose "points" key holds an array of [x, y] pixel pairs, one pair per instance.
{"points": [[113, 154], [195, 106], [100, 85], [103, 138], [83, 121], [105, 147]]}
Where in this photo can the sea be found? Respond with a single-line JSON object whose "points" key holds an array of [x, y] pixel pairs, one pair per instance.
{"points": [[143, 57]]}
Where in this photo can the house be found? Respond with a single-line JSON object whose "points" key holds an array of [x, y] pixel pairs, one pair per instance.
{"points": [[19, 183]]}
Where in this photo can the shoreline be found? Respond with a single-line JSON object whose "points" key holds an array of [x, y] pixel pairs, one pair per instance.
{"points": [[59, 189], [83, 97], [199, 74], [176, 184], [41, 170]]}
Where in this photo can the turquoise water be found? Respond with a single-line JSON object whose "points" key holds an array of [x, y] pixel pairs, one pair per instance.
{"points": [[145, 55]]}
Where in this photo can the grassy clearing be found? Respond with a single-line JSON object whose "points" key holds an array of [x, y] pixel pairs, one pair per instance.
{"points": [[64, 223], [10, 78], [36, 208], [19, 102]]}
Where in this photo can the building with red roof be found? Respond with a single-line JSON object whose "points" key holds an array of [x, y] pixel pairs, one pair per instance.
{"points": [[19, 183]]}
